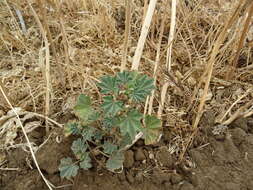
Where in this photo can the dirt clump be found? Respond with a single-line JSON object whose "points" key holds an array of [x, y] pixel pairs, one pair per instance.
{"points": [[164, 157], [129, 159], [52, 153], [240, 123], [139, 155]]}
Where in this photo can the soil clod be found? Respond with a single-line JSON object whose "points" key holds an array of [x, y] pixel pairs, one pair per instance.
{"points": [[240, 123], [129, 159], [139, 155], [165, 157]]}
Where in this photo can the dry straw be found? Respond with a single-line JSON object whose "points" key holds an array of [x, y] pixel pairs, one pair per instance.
{"points": [[27, 139], [143, 36], [47, 64], [127, 34], [157, 60], [168, 55], [139, 51], [206, 77], [231, 70]]}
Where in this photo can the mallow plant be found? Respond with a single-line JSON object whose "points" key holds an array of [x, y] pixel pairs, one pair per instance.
{"points": [[105, 129]]}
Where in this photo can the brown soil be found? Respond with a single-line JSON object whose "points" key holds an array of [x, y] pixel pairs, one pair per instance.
{"points": [[214, 162]]}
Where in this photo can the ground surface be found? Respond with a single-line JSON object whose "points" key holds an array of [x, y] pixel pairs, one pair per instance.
{"points": [[88, 38], [214, 162]]}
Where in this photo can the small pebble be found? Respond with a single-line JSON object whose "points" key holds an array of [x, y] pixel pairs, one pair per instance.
{"points": [[151, 156]]}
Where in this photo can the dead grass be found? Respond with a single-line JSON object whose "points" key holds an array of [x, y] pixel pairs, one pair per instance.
{"points": [[87, 39]]}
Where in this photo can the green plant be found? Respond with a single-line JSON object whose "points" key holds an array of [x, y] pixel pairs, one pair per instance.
{"points": [[106, 130]]}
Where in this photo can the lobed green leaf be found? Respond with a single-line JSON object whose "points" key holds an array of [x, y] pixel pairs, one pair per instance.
{"points": [[67, 168], [98, 135], [71, 128], [88, 133], [93, 116], [79, 147], [141, 88], [109, 148], [111, 107], [130, 123], [83, 107], [124, 77], [115, 161], [108, 85], [152, 129], [126, 140], [86, 161], [110, 122]]}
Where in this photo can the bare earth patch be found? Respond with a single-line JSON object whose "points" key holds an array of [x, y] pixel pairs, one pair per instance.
{"points": [[222, 162]]}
